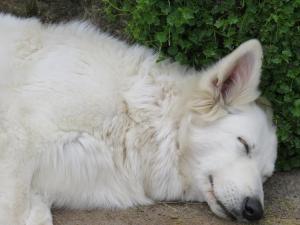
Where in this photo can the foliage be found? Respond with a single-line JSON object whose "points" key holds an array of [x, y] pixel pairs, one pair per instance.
{"points": [[199, 32]]}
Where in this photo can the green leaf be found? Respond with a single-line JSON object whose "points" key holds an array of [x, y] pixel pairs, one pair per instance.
{"points": [[161, 37], [173, 50], [233, 19], [187, 13], [296, 109], [209, 52], [219, 23]]}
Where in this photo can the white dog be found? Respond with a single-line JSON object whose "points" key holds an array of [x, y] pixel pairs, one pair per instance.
{"points": [[88, 121]]}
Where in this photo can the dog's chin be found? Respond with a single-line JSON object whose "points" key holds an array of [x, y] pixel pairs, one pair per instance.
{"points": [[218, 207], [221, 211], [218, 211]]}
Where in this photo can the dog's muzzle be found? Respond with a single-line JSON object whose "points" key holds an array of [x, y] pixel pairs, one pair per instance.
{"points": [[251, 210]]}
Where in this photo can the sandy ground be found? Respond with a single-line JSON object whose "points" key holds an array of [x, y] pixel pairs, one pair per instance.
{"points": [[282, 192], [282, 207]]}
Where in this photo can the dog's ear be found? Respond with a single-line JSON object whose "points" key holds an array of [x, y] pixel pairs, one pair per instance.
{"points": [[233, 81]]}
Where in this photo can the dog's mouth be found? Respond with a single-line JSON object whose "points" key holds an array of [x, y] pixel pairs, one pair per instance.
{"points": [[225, 210]]}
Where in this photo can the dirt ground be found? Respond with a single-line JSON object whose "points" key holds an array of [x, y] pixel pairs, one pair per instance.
{"points": [[50, 11], [282, 192]]}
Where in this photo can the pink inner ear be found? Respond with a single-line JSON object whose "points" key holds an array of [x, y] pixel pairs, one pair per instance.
{"points": [[239, 75]]}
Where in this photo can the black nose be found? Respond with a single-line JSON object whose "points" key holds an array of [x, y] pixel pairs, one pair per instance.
{"points": [[252, 209]]}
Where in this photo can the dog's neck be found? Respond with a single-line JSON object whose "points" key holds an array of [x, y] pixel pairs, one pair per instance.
{"points": [[154, 109]]}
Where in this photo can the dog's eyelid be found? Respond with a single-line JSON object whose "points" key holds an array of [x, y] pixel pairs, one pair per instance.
{"points": [[246, 145]]}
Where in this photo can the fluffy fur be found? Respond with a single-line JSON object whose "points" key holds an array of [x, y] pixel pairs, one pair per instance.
{"points": [[87, 121]]}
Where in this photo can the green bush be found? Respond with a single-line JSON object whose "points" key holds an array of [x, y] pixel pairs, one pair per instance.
{"points": [[199, 32]]}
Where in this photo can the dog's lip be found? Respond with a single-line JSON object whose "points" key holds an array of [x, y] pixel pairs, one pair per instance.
{"points": [[226, 211]]}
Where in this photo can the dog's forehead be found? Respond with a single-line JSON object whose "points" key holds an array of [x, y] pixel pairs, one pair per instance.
{"points": [[249, 121]]}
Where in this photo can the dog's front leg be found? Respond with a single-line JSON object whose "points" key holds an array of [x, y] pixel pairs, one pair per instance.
{"points": [[16, 168], [14, 194], [40, 213]]}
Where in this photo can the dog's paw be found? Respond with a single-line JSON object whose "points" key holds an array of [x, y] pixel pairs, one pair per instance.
{"points": [[39, 219], [40, 213]]}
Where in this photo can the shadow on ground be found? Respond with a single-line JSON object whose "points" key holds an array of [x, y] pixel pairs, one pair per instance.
{"points": [[282, 198]]}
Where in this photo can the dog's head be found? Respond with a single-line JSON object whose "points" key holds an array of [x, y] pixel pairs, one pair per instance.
{"points": [[230, 138]]}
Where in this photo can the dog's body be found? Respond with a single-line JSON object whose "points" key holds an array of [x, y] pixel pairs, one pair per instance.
{"points": [[87, 121]]}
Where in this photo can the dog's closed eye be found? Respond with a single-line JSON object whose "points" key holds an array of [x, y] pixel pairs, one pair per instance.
{"points": [[246, 145]]}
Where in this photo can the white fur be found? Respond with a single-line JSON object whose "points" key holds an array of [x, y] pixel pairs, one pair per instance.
{"points": [[87, 121]]}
